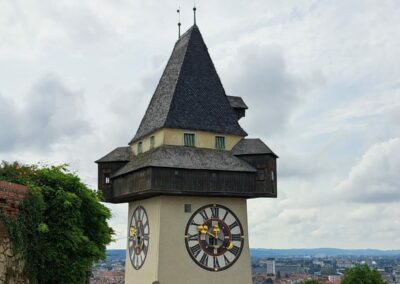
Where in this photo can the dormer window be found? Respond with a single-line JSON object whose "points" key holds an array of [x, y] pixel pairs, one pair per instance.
{"points": [[152, 142], [189, 139], [140, 147], [220, 142]]}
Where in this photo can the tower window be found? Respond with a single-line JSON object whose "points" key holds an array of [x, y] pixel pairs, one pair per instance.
{"points": [[272, 176], [260, 175], [188, 208], [152, 142], [107, 179], [219, 142], [140, 147], [189, 139]]}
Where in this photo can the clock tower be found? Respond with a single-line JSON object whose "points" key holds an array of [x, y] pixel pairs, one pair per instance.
{"points": [[186, 175]]}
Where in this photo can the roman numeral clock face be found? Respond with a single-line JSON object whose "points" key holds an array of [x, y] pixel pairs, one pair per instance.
{"points": [[139, 237], [214, 237]]}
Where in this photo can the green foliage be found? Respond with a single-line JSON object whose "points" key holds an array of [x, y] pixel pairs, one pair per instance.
{"points": [[362, 274], [278, 275], [62, 227]]}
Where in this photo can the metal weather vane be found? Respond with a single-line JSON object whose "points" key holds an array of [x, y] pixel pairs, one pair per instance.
{"points": [[179, 21]]}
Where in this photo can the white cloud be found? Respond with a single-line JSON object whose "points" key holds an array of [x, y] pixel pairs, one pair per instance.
{"points": [[259, 74], [376, 177], [50, 114]]}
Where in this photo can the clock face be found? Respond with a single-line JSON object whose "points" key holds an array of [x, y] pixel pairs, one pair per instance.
{"points": [[139, 237], [214, 237]]}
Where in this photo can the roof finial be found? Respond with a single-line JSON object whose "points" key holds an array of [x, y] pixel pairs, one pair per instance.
{"points": [[194, 11], [179, 21]]}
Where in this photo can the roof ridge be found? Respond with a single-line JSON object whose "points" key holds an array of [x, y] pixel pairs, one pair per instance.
{"points": [[180, 70], [165, 71]]}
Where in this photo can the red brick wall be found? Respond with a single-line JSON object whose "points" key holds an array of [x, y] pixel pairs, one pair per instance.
{"points": [[11, 266], [11, 195]]}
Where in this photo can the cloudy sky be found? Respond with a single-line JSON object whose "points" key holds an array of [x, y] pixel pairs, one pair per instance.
{"points": [[321, 79]]}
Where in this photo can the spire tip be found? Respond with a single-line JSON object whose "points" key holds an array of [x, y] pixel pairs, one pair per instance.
{"points": [[179, 21], [194, 11]]}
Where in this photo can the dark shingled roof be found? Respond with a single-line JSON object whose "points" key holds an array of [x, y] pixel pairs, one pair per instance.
{"points": [[187, 158], [190, 94], [237, 102], [120, 154], [251, 147]]}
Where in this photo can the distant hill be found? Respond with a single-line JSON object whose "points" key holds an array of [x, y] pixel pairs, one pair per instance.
{"points": [[321, 252], [115, 254], [118, 254]]}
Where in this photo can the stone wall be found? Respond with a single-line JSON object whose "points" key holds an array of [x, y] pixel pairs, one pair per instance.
{"points": [[11, 266]]}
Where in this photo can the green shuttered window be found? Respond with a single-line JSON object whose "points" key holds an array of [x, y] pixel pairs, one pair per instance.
{"points": [[152, 142], [189, 139], [219, 142]]}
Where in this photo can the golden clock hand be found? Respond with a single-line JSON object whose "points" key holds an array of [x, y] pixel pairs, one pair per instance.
{"points": [[203, 229], [133, 232], [216, 230]]}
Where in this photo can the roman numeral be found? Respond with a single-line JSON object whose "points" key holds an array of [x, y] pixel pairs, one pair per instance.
{"points": [[237, 237], [216, 262], [235, 250], [204, 259], [195, 250], [226, 260], [204, 215], [214, 212], [226, 215], [193, 237], [233, 225], [193, 223], [139, 258]]}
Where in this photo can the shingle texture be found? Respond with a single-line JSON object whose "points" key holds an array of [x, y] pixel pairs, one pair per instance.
{"points": [[120, 154], [190, 94], [251, 147], [187, 158], [237, 102]]}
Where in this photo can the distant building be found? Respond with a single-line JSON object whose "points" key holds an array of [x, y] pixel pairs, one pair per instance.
{"points": [[344, 263], [334, 279], [270, 262]]}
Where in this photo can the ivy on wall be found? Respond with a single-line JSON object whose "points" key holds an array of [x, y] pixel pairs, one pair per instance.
{"points": [[62, 226]]}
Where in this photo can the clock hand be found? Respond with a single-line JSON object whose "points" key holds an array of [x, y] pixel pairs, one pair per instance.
{"points": [[203, 229], [133, 232], [215, 237], [216, 230]]}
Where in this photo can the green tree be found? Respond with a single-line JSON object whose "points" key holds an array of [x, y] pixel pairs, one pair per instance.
{"points": [[362, 274], [62, 226], [278, 275]]}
